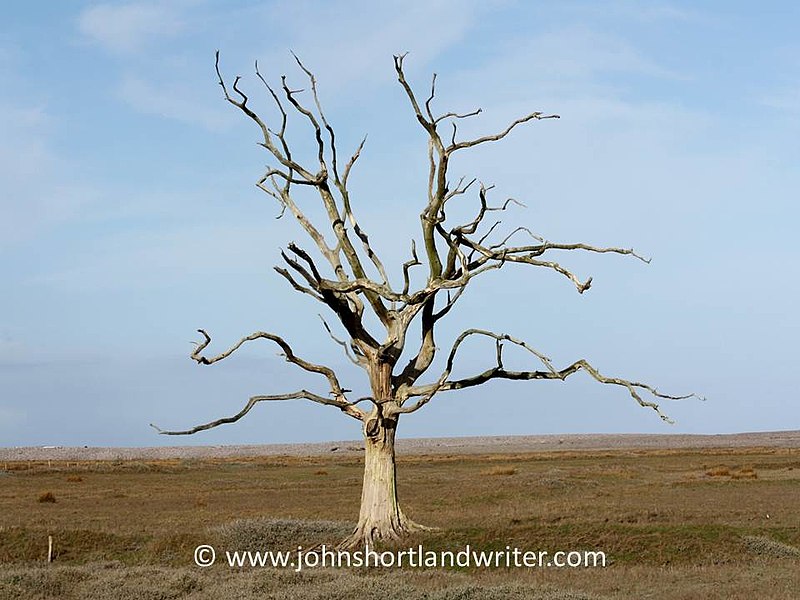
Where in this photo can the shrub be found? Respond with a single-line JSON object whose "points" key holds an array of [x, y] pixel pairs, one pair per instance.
{"points": [[269, 533], [765, 546]]}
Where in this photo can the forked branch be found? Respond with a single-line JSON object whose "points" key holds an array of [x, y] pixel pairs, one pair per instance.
{"points": [[336, 399], [499, 371], [534, 116], [336, 390]]}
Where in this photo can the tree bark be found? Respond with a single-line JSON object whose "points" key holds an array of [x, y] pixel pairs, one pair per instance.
{"points": [[380, 519]]}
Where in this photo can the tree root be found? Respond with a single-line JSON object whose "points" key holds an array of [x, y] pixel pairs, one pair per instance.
{"points": [[371, 533]]}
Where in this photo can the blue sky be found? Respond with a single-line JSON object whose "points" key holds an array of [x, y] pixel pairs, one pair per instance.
{"points": [[129, 215]]}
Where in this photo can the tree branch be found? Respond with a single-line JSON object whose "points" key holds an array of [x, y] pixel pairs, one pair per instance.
{"points": [[268, 142], [500, 372], [427, 392], [538, 116], [407, 266], [297, 286], [349, 409], [288, 354], [341, 343]]}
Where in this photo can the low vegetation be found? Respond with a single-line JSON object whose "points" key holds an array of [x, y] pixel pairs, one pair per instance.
{"points": [[47, 497], [675, 524]]}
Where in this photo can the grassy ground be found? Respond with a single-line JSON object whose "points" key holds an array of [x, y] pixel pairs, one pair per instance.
{"points": [[675, 524]]}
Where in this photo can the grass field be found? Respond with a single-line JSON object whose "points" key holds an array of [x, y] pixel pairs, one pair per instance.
{"points": [[675, 524]]}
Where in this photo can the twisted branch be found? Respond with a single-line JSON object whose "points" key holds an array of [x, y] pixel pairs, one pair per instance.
{"points": [[348, 409], [288, 354], [425, 393]]}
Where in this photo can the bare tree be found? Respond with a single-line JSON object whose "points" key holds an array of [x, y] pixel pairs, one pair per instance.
{"points": [[336, 274]]}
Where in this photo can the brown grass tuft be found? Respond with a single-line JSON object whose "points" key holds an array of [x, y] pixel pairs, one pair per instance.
{"points": [[321, 472], [719, 472], [47, 497], [74, 478], [744, 474], [498, 470], [735, 473]]}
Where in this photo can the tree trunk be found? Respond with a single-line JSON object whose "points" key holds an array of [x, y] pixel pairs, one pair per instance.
{"points": [[380, 518]]}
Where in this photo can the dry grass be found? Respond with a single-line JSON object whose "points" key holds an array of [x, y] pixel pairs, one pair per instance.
{"points": [[671, 527], [719, 472], [735, 473], [499, 470], [47, 497], [103, 581], [745, 474], [265, 532]]}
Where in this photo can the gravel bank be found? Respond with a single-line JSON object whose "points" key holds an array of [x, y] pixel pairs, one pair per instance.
{"points": [[464, 445]]}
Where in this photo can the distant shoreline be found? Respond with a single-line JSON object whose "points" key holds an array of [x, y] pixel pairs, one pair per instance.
{"points": [[460, 445]]}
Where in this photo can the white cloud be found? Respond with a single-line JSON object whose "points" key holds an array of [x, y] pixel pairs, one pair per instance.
{"points": [[346, 45], [570, 71], [786, 100], [174, 101], [638, 11], [143, 259], [581, 53], [36, 191], [125, 28], [356, 44]]}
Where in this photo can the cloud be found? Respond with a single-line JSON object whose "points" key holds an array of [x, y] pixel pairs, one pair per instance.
{"points": [[36, 189], [145, 259], [579, 53], [787, 101], [174, 101], [10, 347], [348, 44], [637, 11], [126, 28]]}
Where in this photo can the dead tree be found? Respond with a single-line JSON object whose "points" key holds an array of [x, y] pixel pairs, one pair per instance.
{"points": [[337, 274]]}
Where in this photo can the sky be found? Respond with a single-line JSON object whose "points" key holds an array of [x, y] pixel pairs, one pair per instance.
{"points": [[129, 217]]}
